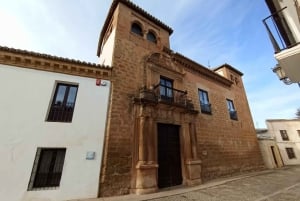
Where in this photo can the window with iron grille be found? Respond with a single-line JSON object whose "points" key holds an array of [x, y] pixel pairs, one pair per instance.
{"points": [[166, 89], [63, 103], [284, 135], [47, 168], [231, 110], [290, 152], [204, 101]]}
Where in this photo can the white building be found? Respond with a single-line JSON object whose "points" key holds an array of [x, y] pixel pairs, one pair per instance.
{"points": [[287, 136], [52, 119], [269, 149], [283, 27]]}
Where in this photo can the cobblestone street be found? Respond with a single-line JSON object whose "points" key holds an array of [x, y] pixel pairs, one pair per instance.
{"points": [[271, 185], [276, 186]]}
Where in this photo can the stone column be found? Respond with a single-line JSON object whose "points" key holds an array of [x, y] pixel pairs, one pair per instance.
{"points": [[146, 167], [192, 162]]}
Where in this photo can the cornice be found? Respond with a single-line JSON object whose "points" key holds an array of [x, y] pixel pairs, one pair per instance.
{"points": [[194, 66], [45, 62]]}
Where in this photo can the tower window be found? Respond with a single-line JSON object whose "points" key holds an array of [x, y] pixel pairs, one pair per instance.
{"points": [[137, 29], [151, 37]]}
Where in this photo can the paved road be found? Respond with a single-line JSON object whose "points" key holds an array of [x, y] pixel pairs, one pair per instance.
{"points": [[278, 185], [271, 185]]}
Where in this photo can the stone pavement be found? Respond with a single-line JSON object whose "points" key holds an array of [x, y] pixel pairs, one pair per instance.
{"points": [[271, 185]]}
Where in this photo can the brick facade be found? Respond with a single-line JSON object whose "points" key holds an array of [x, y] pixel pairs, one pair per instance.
{"points": [[211, 145]]}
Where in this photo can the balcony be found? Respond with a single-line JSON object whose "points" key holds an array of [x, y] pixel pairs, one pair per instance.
{"points": [[172, 96], [233, 114], [205, 108], [61, 113], [283, 29], [166, 95]]}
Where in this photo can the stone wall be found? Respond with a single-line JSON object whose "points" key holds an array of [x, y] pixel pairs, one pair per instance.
{"points": [[225, 146]]}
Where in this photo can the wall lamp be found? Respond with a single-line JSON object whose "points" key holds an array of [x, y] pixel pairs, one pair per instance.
{"points": [[281, 75]]}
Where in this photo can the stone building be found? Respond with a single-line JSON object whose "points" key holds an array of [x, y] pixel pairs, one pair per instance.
{"points": [[171, 121]]}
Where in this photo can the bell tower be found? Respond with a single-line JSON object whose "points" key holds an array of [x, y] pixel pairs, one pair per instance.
{"points": [[128, 23]]}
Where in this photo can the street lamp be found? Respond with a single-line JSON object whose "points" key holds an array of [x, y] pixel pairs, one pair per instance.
{"points": [[281, 75]]}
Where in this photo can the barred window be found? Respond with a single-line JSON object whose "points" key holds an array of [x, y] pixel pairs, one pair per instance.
{"points": [[63, 103], [47, 168], [284, 135], [290, 152]]}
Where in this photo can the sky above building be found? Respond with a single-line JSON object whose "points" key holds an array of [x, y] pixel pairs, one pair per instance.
{"points": [[209, 32]]}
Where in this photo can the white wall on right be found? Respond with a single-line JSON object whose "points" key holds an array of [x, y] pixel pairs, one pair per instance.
{"points": [[291, 126]]}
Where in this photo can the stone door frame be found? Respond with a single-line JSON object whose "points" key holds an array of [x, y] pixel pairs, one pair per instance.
{"points": [[145, 165]]}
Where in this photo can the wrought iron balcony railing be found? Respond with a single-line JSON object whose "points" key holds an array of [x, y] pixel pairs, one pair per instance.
{"points": [[172, 96], [279, 31], [233, 114], [205, 108], [61, 113]]}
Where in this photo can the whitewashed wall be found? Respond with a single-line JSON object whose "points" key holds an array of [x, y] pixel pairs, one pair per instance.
{"points": [[291, 126], [24, 101], [108, 48], [291, 17]]}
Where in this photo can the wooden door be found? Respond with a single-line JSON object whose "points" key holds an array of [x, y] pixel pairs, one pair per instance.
{"points": [[169, 159]]}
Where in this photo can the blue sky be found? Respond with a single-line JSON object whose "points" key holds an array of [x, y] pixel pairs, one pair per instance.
{"points": [[210, 32]]}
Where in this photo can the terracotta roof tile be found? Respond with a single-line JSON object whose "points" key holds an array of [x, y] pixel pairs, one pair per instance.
{"points": [[47, 56]]}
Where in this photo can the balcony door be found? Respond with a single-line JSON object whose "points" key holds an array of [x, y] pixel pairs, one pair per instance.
{"points": [[169, 160], [166, 89]]}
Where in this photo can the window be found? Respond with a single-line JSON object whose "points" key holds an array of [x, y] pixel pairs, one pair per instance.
{"points": [[290, 153], [284, 135], [63, 103], [151, 37], [136, 28], [47, 168], [204, 101], [298, 132], [166, 89], [231, 110]]}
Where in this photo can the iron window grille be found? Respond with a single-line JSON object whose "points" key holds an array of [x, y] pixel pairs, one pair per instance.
{"points": [[231, 110], [63, 103], [290, 152], [204, 102], [284, 135], [47, 168]]}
